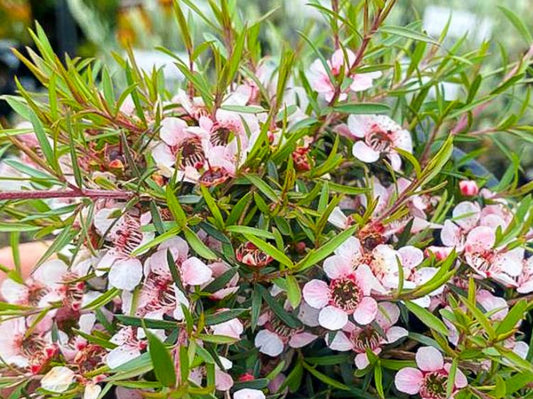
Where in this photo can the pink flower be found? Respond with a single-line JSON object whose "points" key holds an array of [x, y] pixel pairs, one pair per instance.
{"points": [[124, 233], [465, 217], [378, 135], [501, 264], [129, 346], [17, 348], [193, 270], [321, 82], [430, 379], [525, 280], [468, 188], [360, 340], [272, 339], [180, 146], [45, 286], [348, 293]]}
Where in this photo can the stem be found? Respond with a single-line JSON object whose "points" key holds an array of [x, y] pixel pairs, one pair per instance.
{"points": [[75, 193]]}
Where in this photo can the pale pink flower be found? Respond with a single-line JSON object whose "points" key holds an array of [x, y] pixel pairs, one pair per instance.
{"points": [[525, 279], [127, 393], [430, 379], [180, 146], [271, 340], [31, 351], [193, 271], [338, 219], [43, 287], [223, 380], [499, 264], [125, 236], [348, 293], [376, 136], [465, 217], [232, 328], [468, 188], [321, 82], [130, 343], [360, 340], [248, 393]]}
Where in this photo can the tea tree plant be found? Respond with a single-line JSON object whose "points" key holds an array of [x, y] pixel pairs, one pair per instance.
{"points": [[294, 224]]}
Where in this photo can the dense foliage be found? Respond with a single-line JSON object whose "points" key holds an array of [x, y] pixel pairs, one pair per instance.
{"points": [[298, 225]]}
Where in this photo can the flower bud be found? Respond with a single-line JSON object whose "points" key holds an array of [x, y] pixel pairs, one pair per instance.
{"points": [[468, 188]]}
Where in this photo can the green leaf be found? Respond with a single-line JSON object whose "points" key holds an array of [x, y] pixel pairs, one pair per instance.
{"points": [[324, 378], [175, 207], [221, 317], [161, 360], [518, 24], [293, 291], [407, 33], [270, 250], [518, 382], [480, 317], [213, 207], [198, 245], [148, 323], [263, 187], [217, 339], [362, 108], [250, 230], [515, 315], [316, 255], [103, 299], [278, 309], [44, 144], [429, 319]]}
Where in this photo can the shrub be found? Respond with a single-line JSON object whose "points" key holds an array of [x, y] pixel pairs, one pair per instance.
{"points": [[300, 225]]}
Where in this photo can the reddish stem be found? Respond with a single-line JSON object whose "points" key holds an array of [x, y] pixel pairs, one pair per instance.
{"points": [[76, 193]]}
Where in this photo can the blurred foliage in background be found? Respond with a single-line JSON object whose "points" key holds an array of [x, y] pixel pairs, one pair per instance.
{"points": [[113, 25]]}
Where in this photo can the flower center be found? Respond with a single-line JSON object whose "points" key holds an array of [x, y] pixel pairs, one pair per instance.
{"points": [[378, 139], [128, 235], [220, 136], [434, 385], [35, 293], [368, 338], [250, 255], [214, 176], [346, 294], [161, 293], [280, 328], [192, 153]]}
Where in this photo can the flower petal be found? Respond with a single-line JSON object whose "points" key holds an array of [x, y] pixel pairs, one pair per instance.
{"points": [[126, 274], [366, 312], [195, 272], [302, 339], [364, 153], [316, 293], [429, 358], [268, 343], [248, 393], [332, 318], [409, 380]]}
